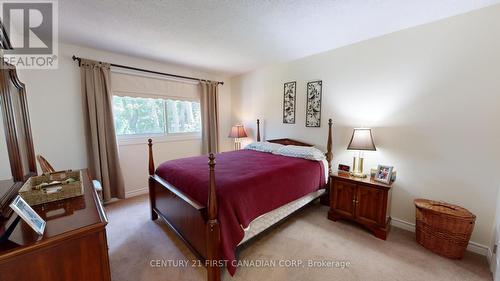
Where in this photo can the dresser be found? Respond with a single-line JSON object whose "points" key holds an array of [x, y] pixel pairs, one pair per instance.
{"points": [[73, 247], [362, 200]]}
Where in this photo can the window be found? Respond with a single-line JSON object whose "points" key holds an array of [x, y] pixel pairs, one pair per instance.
{"points": [[183, 116], [155, 116]]}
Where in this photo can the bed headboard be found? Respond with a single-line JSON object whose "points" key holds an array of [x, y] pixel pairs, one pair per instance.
{"points": [[286, 141], [290, 142]]}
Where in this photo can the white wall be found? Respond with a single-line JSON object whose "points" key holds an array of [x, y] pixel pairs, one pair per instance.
{"points": [[432, 95], [56, 114]]}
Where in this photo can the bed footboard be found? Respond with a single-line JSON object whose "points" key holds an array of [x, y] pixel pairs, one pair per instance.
{"points": [[183, 217], [187, 217]]}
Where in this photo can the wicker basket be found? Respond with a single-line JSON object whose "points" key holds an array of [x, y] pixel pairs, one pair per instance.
{"points": [[443, 228], [35, 196]]}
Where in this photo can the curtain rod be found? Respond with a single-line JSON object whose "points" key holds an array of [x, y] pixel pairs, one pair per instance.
{"points": [[75, 58]]}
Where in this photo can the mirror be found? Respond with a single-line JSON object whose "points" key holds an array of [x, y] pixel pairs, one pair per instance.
{"points": [[16, 97], [16, 146]]}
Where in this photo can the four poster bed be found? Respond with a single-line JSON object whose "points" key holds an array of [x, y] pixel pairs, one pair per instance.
{"points": [[255, 190]]}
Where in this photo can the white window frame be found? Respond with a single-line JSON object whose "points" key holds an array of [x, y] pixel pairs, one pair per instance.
{"points": [[156, 137]]}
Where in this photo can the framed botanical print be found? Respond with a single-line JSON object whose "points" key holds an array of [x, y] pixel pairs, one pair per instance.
{"points": [[313, 108], [289, 96]]}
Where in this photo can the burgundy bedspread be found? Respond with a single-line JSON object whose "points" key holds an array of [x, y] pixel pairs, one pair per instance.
{"points": [[249, 184]]}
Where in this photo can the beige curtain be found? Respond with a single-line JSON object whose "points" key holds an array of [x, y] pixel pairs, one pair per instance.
{"points": [[209, 101], [103, 157]]}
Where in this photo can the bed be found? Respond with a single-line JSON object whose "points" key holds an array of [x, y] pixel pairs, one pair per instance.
{"points": [[217, 211]]}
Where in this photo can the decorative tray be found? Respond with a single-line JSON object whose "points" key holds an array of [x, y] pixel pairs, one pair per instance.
{"points": [[52, 187]]}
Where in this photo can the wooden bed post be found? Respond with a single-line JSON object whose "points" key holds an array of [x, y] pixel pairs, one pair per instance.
{"points": [[329, 153], [325, 198], [213, 232], [258, 130], [152, 195]]}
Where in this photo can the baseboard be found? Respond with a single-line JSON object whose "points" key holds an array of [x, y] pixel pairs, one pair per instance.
{"points": [[479, 249], [136, 192], [489, 256], [472, 247], [403, 224], [111, 201]]}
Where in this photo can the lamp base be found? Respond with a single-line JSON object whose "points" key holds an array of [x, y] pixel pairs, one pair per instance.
{"points": [[237, 144], [358, 175], [358, 167]]}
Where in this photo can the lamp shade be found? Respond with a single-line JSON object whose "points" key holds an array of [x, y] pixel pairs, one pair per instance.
{"points": [[237, 132], [362, 139]]}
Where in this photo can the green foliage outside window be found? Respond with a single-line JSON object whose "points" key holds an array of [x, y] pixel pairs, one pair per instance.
{"points": [[183, 116], [139, 116]]}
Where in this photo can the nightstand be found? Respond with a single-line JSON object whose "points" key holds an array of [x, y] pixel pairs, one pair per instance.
{"points": [[362, 200]]}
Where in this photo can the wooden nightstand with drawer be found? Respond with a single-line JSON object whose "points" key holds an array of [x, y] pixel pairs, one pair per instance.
{"points": [[362, 200]]}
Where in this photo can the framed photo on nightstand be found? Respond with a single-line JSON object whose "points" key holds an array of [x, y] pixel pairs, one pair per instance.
{"points": [[28, 214], [384, 174]]}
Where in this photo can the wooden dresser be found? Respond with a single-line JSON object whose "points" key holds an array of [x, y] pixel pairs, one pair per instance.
{"points": [[73, 247], [362, 200]]}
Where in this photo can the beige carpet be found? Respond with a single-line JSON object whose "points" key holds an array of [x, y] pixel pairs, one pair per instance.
{"points": [[134, 241]]}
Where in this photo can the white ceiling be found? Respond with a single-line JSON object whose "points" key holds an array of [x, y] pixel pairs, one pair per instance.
{"points": [[237, 36]]}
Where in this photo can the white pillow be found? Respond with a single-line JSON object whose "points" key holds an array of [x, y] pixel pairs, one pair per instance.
{"points": [[306, 152], [264, 146]]}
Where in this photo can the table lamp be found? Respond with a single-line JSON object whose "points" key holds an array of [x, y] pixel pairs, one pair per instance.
{"points": [[361, 140], [237, 132]]}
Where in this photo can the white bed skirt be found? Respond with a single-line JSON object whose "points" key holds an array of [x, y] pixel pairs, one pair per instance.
{"points": [[268, 219]]}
